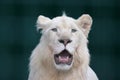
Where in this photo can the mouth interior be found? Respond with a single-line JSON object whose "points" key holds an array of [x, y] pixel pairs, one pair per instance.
{"points": [[63, 57]]}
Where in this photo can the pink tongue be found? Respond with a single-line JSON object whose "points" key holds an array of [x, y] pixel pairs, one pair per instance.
{"points": [[63, 59]]}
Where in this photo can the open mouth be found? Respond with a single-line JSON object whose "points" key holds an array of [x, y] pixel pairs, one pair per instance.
{"points": [[63, 57]]}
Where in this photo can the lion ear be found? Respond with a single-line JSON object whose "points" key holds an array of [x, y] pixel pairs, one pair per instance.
{"points": [[42, 22], [85, 22]]}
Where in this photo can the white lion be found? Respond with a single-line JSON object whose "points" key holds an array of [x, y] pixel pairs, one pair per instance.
{"points": [[62, 53]]}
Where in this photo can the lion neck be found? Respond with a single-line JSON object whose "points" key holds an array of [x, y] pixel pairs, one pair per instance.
{"points": [[75, 73], [72, 74]]}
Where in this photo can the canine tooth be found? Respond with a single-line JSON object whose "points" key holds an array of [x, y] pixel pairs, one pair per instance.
{"points": [[67, 57], [59, 57]]}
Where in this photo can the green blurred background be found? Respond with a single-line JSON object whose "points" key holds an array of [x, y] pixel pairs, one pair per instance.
{"points": [[18, 35]]}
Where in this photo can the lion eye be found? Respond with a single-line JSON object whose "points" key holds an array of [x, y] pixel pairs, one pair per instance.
{"points": [[54, 29], [73, 30]]}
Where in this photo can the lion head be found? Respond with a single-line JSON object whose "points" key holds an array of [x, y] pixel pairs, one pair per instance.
{"points": [[66, 38]]}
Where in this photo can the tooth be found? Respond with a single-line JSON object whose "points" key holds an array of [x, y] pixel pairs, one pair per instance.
{"points": [[59, 57], [67, 57]]}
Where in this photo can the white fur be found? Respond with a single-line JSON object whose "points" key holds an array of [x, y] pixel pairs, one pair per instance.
{"points": [[42, 64]]}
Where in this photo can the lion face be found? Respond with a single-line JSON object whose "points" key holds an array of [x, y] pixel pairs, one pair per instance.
{"points": [[64, 35]]}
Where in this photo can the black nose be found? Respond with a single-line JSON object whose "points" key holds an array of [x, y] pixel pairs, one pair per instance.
{"points": [[65, 41]]}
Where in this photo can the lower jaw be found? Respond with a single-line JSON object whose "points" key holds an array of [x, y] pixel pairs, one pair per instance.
{"points": [[63, 67]]}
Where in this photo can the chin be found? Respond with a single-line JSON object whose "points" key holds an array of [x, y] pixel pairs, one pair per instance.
{"points": [[63, 61], [63, 67]]}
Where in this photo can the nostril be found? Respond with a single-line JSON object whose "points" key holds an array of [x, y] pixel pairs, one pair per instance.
{"points": [[61, 41], [65, 41], [69, 41]]}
